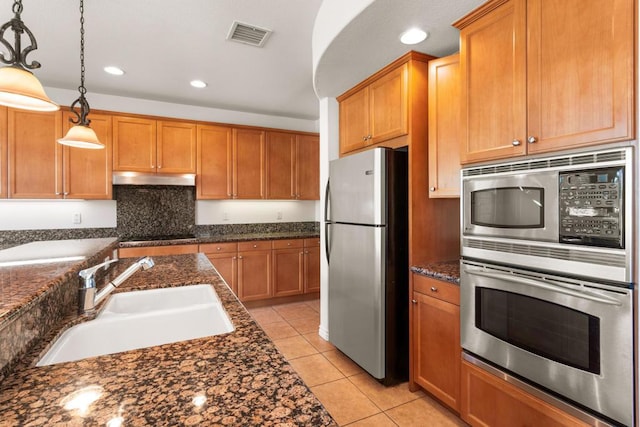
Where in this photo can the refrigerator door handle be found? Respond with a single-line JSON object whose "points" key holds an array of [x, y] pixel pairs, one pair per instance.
{"points": [[327, 194], [327, 241]]}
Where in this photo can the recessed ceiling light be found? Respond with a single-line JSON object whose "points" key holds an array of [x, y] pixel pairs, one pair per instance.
{"points": [[413, 36], [198, 83], [114, 70]]}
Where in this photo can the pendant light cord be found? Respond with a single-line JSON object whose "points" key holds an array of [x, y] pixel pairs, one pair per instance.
{"points": [[81, 118], [82, 89]]}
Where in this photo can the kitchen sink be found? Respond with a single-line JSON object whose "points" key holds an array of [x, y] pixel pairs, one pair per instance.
{"points": [[139, 319]]}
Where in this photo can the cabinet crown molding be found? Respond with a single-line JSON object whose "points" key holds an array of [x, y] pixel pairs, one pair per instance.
{"points": [[478, 13]]}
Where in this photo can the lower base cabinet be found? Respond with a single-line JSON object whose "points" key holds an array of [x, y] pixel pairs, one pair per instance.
{"points": [[140, 251], [264, 269], [435, 338], [491, 401]]}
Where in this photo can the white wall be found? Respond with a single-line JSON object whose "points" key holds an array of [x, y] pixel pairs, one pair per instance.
{"points": [[52, 214], [254, 211]]}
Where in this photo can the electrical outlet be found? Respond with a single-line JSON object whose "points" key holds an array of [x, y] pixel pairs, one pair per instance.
{"points": [[77, 218], [279, 215], [225, 216]]}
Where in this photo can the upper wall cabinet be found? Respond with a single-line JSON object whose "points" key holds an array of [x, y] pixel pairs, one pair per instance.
{"points": [[248, 164], [375, 111], [541, 75], [444, 127], [293, 166], [214, 176], [146, 145], [87, 173], [40, 168]]}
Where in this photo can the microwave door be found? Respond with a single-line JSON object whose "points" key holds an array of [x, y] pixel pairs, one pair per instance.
{"points": [[518, 206]]}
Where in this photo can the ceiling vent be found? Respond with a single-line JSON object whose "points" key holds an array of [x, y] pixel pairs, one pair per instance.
{"points": [[248, 34]]}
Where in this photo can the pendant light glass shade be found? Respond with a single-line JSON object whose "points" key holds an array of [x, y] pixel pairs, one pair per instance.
{"points": [[81, 136], [19, 88]]}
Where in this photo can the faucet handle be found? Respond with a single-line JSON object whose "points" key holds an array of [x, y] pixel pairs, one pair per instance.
{"points": [[88, 272]]}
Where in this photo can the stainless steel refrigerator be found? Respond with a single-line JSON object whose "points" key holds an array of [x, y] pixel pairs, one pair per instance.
{"points": [[367, 251]]}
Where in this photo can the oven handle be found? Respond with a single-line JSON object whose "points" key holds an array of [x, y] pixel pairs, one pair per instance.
{"points": [[548, 286]]}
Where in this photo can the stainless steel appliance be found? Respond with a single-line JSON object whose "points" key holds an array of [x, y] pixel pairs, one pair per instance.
{"points": [[566, 214], [367, 251], [546, 276]]}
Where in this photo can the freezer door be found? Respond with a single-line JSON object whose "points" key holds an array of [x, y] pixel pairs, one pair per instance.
{"points": [[357, 193], [356, 294]]}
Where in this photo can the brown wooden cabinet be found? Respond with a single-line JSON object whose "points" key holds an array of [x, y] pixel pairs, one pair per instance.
{"points": [[4, 187], [151, 146], [224, 257], [311, 265], [288, 267], [376, 111], [293, 166], [214, 176], [248, 164], [140, 251], [444, 127], [539, 77], [87, 173], [35, 158], [435, 338], [491, 401], [254, 270]]}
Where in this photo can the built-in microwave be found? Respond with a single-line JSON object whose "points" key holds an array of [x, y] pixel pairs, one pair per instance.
{"points": [[563, 214]]}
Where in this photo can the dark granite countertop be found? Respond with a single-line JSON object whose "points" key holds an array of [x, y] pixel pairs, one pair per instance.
{"points": [[240, 376], [240, 237], [448, 271]]}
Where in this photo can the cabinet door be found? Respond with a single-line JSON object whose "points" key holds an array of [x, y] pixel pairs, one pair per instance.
{"points": [[281, 155], [254, 275], [288, 272], [492, 69], [249, 160], [444, 127], [307, 167], [227, 266], [176, 147], [389, 105], [3, 153], [35, 157], [491, 401], [87, 173], [354, 121], [134, 144], [436, 348], [312, 269], [215, 166], [580, 72]]}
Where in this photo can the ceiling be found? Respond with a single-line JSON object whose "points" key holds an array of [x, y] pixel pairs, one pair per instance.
{"points": [[162, 45]]}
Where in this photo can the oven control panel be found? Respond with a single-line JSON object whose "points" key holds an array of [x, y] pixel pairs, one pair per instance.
{"points": [[591, 207]]}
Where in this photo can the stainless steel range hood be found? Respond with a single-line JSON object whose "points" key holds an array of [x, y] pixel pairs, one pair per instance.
{"points": [[140, 178]]}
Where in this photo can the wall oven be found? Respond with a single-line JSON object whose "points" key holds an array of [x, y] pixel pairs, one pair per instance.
{"points": [[546, 274]]}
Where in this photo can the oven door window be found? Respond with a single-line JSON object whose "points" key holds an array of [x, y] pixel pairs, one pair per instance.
{"points": [[549, 330], [508, 207]]}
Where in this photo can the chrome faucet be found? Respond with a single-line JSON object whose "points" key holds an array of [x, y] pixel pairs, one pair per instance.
{"points": [[89, 298]]}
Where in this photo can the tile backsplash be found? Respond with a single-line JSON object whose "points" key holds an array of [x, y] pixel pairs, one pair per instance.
{"points": [[154, 210]]}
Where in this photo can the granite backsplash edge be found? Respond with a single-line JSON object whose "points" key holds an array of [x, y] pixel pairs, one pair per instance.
{"points": [[9, 238]]}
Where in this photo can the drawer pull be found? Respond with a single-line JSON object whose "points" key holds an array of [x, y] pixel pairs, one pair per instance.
{"points": [[255, 246], [434, 289], [414, 301]]}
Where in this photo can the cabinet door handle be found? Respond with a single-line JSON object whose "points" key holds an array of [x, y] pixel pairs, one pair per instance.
{"points": [[234, 257], [432, 188], [434, 289], [532, 140], [364, 138], [255, 246], [240, 257], [414, 301], [515, 142]]}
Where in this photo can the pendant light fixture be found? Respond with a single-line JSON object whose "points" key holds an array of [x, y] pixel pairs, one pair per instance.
{"points": [[81, 135], [19, 88]]}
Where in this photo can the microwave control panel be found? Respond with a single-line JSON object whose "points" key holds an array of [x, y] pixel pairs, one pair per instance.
{"points": [[591, 207]]}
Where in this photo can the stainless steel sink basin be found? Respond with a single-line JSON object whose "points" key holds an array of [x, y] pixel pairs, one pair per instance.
{"points": [[140, 319]]}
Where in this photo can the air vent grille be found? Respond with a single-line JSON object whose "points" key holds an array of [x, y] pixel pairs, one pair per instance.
{"points": [[555, 162], [248, 34], [613, 260]]}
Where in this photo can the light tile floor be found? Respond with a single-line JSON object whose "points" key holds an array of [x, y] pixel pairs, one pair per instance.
{"points": [[350, 394]]}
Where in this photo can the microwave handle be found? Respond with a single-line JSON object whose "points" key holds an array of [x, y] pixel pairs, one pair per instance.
{"points": [[545, 285]]}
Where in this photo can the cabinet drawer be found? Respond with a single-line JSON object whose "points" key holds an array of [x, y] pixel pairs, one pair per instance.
{"points": [[312, 243], [214, 248], [288, 243], [437, 288], [256, 245], [157, 250]]}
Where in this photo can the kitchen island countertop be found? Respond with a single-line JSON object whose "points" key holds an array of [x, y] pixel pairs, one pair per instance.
{"points": [[449, 271], [238, 378]]}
